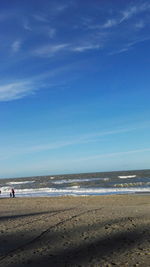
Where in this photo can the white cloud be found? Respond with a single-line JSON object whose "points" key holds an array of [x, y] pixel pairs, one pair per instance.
{"points": [[109, 23], [51, 32], [49, 50], [114, 154], [140, 25], [82, 48], [134, 10], [71, 141], [26, 25], [6, 15], [125, 15], [17, 90], [16, 46], [59, 8], [130, 45], [122, 50], [41, 17], [20, 89]]}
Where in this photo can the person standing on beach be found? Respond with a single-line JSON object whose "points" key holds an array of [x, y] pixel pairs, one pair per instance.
{"points": [[13, 192]]}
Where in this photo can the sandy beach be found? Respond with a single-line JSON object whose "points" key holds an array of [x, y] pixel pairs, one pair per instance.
{"points": [[75, 231]]}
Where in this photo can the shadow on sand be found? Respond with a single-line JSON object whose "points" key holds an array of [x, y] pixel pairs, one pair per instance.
{"points": [[36, 251]]}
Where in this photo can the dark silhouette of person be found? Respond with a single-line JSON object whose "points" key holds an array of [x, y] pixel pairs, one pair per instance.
{"points": [[13, 192]]}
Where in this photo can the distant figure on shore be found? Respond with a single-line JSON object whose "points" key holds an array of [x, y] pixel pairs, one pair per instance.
{"points": [[12, 192]]}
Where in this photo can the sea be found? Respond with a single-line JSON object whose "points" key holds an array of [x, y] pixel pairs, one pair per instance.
{"points": [[83, 184]]}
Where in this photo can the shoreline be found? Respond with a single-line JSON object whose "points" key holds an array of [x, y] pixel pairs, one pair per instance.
{"points": [[110, 230], [73, 195]]}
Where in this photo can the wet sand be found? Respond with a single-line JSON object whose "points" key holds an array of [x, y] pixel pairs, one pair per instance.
{"points": [[75, 231]]}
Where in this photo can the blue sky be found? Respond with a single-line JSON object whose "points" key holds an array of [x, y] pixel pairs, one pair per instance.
{"points": [[74, 86]]}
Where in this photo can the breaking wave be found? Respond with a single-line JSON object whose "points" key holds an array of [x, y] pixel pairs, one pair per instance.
{"points": [[132, 184], [24, 182], [126, 177], [65, 181], [75, 191]]}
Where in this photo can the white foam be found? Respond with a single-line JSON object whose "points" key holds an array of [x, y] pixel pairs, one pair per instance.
{"points": [[65, 181], [74, 186], [41, 192], [105, 179], [5, 189], [24, 182], [128, 176], [131, 184]]}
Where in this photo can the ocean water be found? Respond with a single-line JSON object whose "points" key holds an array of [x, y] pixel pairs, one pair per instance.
{"points": [[126, 182]]}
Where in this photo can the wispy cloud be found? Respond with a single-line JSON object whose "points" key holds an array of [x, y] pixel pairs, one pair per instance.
{"points": [[128, 41], [17, 90], [26, 25], [124, 15], [82, 139], [49, 50], [119, 51], [40, 29], [51, 32], [134, 10], [114, 154], [40, 17], [45, 165], [85, 138], [22, 88], [129, 45], [16, 46], [59, 8], [82, 48], [139, 25], [5, 15], [109, 23]]}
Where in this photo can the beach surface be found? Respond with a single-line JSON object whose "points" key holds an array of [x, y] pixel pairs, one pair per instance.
{"points": [[75, 231]]}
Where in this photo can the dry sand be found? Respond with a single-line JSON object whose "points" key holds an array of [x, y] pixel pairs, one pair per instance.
{"points": [[75, 231]]}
